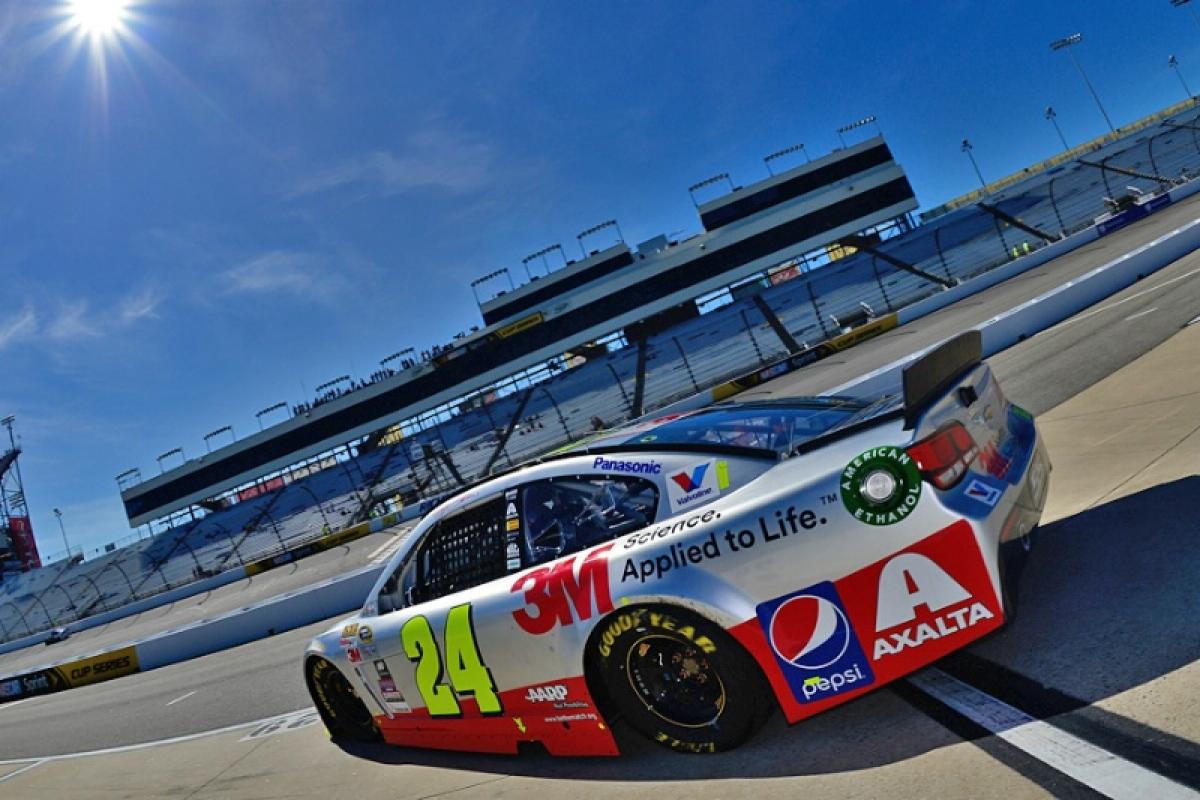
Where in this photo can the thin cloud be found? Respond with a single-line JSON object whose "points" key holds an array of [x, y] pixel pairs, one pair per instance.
{"points": [[432, 158], [18, 328], [72, 322], [138, 306], [280, 272]]}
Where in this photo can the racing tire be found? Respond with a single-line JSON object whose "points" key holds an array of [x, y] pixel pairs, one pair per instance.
{"points": [[679, 679], [345, 715]]}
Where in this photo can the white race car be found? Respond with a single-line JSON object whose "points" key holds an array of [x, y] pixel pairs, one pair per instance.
{"points": [[693, 573]]}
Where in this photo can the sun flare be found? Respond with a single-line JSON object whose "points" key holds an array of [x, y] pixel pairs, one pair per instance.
{"points": [[98, 18]]}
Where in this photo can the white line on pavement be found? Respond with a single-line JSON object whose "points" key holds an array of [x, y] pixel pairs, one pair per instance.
{"points": [[1092, 766], [1141, 314], [1123, 300], [157, 743], [182, 697], [17, 772]]}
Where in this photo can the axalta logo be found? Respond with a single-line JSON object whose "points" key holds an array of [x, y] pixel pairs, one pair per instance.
{"points": [[632, 467], [910, 582], [814, 643], [701, 482], [552, 592]]}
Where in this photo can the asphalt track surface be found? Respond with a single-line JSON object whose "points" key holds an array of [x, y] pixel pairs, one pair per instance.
{"points": [[1061, 659]]}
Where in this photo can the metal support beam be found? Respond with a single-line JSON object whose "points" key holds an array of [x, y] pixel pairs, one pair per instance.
{"points": [[1122, 171], [639, 381], [1017, 223], [508, 432], [776, 325], [860, 243]]}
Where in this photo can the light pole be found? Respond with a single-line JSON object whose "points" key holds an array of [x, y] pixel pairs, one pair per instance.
{"points": [[967, 148], [63, 530], [1050, 115], [1065, 44], [1181, 4], [1173, 63]]}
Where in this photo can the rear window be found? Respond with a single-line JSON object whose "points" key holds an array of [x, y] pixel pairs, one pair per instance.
{"points": [[768, 426]]}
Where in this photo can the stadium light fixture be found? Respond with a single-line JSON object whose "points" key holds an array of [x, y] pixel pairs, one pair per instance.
{"points": [[485, 278], [541, 254], [870, 120], [263, 412], [1182, 3], [1065, 44], [796, 148], [967, 148], [63, 530], [608, 223], [1053, 117], [396, 355], [178, 451], [1173, 63], [332, 383], [224, 429], [718, 178]]}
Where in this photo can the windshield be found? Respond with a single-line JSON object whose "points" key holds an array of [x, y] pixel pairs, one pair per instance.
{"points": [[778, 426]]}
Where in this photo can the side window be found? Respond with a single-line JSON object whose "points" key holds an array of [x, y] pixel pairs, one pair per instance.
{"points": [[567, 514], [461, 551]]}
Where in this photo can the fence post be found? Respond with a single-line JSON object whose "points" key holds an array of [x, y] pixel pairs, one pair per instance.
{"points": [[753, 339], [1054, 203], [686, 365], [1150, 152], [561, 419], [620, 386], [882, 291], [937, 244], [812, 296]]}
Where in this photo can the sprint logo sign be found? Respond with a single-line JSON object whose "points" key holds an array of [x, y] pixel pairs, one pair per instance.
{"points": [[698, 484]]}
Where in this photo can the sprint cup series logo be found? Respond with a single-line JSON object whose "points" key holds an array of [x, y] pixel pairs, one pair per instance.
{"points": [[814, 643]]}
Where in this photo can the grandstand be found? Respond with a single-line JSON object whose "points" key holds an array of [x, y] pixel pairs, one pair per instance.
{"points": [[809, 295]]}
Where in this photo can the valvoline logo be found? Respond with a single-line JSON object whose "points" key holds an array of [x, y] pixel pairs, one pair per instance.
{"points": [[814, 643], [692, 482]]}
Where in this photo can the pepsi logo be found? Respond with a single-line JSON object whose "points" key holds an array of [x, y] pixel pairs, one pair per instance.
{"points": [[809, 632]]}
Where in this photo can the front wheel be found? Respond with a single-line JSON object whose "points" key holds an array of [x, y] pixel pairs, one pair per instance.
{"points": [[344, 714], [680, 680]]}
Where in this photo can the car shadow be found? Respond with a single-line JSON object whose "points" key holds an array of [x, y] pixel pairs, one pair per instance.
{"points": [[1107, 603]]}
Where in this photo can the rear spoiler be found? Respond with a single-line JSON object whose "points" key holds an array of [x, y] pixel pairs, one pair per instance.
{"points": [[928, 378]]}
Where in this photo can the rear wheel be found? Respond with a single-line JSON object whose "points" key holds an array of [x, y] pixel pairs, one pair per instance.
{"points": [[680, 680], [344, 713]]}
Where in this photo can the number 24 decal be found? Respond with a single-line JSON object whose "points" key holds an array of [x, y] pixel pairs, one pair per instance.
{"points": [[467, 673]]}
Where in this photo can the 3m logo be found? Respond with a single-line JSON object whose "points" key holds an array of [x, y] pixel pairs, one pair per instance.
{"points": [[690, 483], [554, 590]]}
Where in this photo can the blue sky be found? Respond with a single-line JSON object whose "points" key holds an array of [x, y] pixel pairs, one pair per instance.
{"points": [[254, 197]]}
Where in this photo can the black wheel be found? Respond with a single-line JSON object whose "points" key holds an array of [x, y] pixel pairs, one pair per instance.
{"points": [[679, 679], [1014, 555], [344, 713]]}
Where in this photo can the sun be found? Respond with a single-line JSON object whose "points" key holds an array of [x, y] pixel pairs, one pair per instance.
{"points": [[98, 18]]}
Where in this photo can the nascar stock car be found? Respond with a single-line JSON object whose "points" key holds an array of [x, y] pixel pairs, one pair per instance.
{"points": [[693, 573]]}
